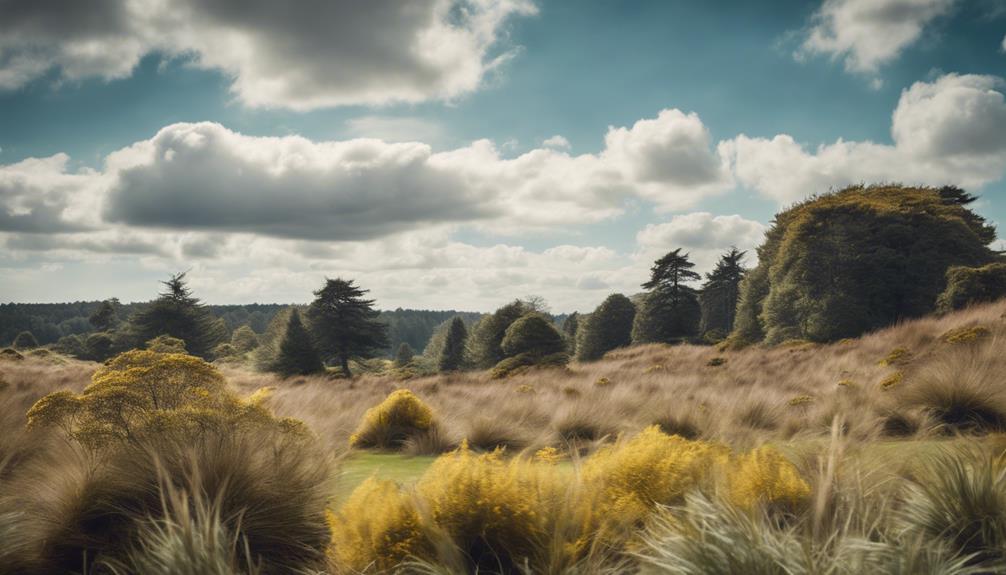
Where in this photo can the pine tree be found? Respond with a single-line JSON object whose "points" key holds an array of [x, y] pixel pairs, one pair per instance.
{"points": [[297, 354], [104, 318], [670, 311], [608, 328], [720, 294], [404, 354], [569, 329], [452, 355], [344, 324], [178, 314]]}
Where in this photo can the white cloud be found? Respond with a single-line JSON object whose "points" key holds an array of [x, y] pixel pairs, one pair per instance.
{"points": [[396, 129], [38, 195], [312, 54], [949, 131], [703, 236], [558, 142], [867, 34]]}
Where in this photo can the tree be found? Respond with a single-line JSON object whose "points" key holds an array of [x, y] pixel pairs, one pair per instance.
{"points": [[104, 318], [608, 327], [720, 294], [404, 354], [244, 339], [670, 311], [967, 286], [99, 347], [533, 334], [344, 324], [178, 314], [569, 329], [865, 257], [25, 340], [485, 343], [297, 354], [452, 355]]}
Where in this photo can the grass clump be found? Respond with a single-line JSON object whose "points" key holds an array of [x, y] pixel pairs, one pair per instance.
{"points": [[395, 420], [891, 381], [963, 393], [965, 335], [897, 356]]}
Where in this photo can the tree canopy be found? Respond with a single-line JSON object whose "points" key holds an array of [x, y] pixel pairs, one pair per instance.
{"points": [[607, 328], [720, 294], [296, 354], [861, 258], [452, 353], [178, 314], [345, 324], [670, 311]]}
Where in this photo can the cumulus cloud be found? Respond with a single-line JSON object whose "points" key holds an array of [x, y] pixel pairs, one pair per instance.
{"points": [[703, 235], [39, 195], [395, 129], [558, 142], [317, 53], [949, 131], [866, 34]]}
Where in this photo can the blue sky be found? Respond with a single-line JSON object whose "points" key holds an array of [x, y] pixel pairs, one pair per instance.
{"points": [[228, 141]]}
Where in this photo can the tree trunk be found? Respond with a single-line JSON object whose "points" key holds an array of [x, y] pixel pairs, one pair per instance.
{"points": [[344, 361]]}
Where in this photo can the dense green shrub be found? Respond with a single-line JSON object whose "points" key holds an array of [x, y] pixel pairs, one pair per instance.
{"points": [[533, 333], [840, 264], [607, 328], [485, 342], [970, 285], [24, 341], [244, 339]]}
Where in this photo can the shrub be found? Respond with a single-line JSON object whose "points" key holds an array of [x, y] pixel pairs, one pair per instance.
{"points": [[966, 334], [377, 528], [716, 362], [388, 425], [765, 476], [532, 334], [166, 344], [891, 381], [244, 339], [963, 393], [970, 285], [897, 356], [99, 347], [630, 479], [404, 355], [520, 363], [25, 341], [484, 345], [608, 327], [10, 354], [144, 393], [492, 433]]}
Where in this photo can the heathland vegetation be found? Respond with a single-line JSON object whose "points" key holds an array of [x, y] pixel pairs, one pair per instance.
{"points": [[837, 409]]}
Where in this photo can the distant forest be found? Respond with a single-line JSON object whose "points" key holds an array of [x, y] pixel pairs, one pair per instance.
{"points": [[50, 321]]}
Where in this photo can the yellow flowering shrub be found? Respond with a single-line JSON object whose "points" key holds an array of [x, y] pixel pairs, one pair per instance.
{"points": [[142, 392], [389, 424], [653, 468], [801, 400], [966, 334], [494, 509], [377, 528], [765, 476], [548, 455], [891, 381], [897, 356]]}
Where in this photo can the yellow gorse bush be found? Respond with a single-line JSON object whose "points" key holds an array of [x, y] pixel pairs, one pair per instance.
{"points": [[628, 480], [377, 528], [400, 416], [765, 476], [142, 392], [966, 334]]}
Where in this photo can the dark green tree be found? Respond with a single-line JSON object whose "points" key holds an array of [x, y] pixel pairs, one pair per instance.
{"points": [[297, 354], [99, 347], [720, 294], [486, 340], [178, 314], [607, 328], [452, 354], [104, 318], [844, 263], [967, 286], [670, 311], [534, 334], [404, 354], [25, 340], [569, 329], [244, 339], [344, 324]]}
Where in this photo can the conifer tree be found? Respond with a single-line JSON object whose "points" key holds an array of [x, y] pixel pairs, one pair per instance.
{"points": [[178, 314], [344, 324], [569, 329], [452, 355], [607, 328], [297, 354], [720, 294], [404, 354], [670, 312], [104, 318]]}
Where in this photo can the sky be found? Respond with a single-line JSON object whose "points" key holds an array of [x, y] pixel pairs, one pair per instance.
{"points": [[456, 154]]}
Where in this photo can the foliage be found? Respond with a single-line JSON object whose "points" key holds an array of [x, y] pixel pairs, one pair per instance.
{"points": [[897, 356], [843, 263], [404, 355], [104, 317], [391, 423], [485, 341], [532, 334], [344, 324], [451, 356], [521, 362], [608, 327], [140, 394], [966, 334], [719, 295], [166, 344], [99, 346], [244, 339], [971, 285], [670, 312], [297, 354], [570, 331], [178, 314], [24, 341], [765, 476]]}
